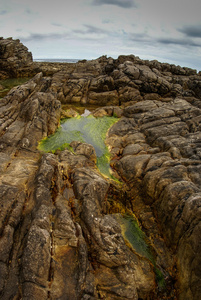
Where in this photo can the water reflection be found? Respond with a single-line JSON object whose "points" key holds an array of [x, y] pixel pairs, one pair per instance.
{"points": [[86, 129]]}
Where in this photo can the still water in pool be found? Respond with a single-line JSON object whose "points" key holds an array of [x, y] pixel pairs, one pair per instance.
{"points": [[88, 129]]}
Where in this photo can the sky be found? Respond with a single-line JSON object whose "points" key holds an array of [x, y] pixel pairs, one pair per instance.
{"points": [[165, 30]]}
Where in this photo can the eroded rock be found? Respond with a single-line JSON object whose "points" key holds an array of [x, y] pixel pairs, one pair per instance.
{"points": [[14, 58], [165, 178], [59, 231]]}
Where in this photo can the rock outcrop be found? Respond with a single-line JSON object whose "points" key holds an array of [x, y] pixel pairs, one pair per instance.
{"points": [[57, 240], [103, 81], [15, 60], [107, 81], [60, 231], [156, 150]]}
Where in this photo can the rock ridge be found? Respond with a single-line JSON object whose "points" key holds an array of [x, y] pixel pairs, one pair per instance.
{"points": [[60, 234]]}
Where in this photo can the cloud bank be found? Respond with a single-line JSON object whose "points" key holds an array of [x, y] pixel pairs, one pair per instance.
{"points": [[121, 3], [192, 31], [169, 31]]}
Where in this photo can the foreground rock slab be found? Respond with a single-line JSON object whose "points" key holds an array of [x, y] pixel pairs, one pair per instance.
{"points": [[57, 239], [156, 150]]}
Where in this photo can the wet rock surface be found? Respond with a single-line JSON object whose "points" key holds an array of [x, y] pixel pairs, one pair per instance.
{"points": [[60, 235], [159, 156]]}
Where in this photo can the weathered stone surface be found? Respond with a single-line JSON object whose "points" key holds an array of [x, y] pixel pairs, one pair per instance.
{"points": [[60, 237], [14, 58], [103, 81], [110, 111], [56, 237], [70, 113], [167, 177], [107, 245]]}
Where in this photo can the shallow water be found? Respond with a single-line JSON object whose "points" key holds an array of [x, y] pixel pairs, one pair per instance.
{"points": [[139, 242], [93, 131], [88, 129], [135, 236]]}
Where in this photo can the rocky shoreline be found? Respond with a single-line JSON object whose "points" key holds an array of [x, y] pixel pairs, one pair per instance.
{"points": [[60, 235]]}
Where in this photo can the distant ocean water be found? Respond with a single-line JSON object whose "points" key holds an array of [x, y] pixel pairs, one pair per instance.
{"points": [[59, 60]]}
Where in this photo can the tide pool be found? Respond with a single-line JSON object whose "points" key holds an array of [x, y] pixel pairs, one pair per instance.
{"points": [[89, 130]]}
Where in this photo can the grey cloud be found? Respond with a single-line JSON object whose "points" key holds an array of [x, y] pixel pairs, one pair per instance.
{"points": [[191, 31], [106, 21], [181, 42], [91, 29], [41, 36], [88, 29], [140, 37], [121, 3], [145, 39], [56, 24], [3, 12], [28, 11]]}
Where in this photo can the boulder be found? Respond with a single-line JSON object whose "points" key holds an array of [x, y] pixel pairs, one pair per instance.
{"points": [[15, 58]]}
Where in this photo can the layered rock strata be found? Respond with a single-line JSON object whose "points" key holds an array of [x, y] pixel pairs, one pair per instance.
{"points": [[57, 240], [103, 81], [156, 150], [15, 60], [107, 81], [59, 232]]}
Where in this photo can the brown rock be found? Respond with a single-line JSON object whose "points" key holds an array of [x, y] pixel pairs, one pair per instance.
{"points": [[59, 231]]}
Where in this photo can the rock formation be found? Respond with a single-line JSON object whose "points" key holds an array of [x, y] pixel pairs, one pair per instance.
{"points": [[15, 60], [60, 234], [159, 154], [106, 81]]}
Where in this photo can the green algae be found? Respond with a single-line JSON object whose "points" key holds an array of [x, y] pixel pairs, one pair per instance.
{"points": [[134, 235], [60, 140], [9, 83], [90, 130], [159, 278], [93, 131], [139, 242]]}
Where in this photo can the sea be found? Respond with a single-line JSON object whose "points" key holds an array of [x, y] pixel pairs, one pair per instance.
{"points": [[59, 60]]}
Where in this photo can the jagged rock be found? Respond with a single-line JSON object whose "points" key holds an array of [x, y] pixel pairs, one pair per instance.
{"points": [[26, 112], [14, 58], [110, 111], [60, 235], [104, 80], [129, 79], [69, 113], [167, 178], [104, 236], [56, 237], [84, 149]]}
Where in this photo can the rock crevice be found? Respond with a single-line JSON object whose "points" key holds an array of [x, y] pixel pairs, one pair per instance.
{"points": [[62, 224]]}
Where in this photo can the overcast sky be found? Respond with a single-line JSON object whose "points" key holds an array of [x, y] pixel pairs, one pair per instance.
{"points": [[166, 30]]}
